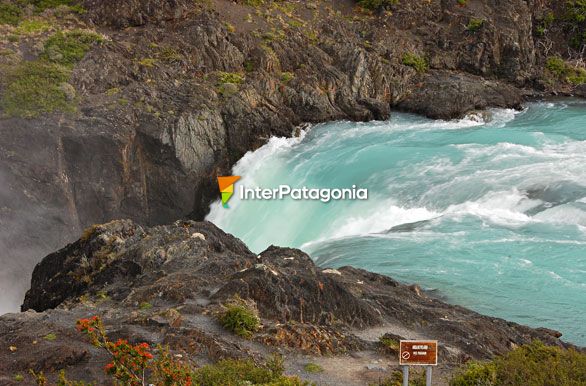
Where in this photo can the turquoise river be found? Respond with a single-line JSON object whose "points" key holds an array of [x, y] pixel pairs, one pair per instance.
{"points": [[488, 212]]}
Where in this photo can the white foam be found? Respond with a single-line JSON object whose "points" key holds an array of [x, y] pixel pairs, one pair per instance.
{"points": [[379, 219]]}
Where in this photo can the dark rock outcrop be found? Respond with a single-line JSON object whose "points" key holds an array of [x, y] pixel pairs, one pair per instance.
{"points": [[185, 271]]}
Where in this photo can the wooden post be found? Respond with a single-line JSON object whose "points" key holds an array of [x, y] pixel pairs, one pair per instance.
{"points": [[428, 371]]}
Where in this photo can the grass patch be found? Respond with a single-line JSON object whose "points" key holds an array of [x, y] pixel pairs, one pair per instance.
{"points": [[10, 14], [240, 317], [50, 337], [389, 344], [474, 25], [313, 368], [68, 48], [564, 71], [415, 61], [243, 372], [34, 88], [170, 55], [147, 62], [145, 306], [286, 77], [375, 5], [230, 77], [532, 364], [33, 26]]}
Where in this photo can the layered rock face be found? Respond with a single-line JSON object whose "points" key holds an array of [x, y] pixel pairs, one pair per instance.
{"points": [[185, 271], [161, 113]]}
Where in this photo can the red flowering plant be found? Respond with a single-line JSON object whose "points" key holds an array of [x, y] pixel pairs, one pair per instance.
{"points": [[132, 364]]}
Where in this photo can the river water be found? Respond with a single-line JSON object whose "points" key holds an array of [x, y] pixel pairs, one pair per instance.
{"points": [[487, 212]]}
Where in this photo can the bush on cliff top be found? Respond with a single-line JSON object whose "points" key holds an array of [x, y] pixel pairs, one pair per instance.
{"points": [[375, 5], [40, 86], [68, 48], [532, 364], [13, 12], [240, 317], [34, 88]]}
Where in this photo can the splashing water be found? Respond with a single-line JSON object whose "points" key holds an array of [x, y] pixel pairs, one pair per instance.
{"points": [[491, 215]]}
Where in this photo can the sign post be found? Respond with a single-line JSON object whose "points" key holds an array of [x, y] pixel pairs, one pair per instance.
{"points": [[418, 353]]}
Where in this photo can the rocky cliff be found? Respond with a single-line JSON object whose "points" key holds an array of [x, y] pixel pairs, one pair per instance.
{"points": [[165, 285], [175, 91]]}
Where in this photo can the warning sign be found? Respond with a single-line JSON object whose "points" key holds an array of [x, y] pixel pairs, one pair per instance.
{"points": [[418, 352]]}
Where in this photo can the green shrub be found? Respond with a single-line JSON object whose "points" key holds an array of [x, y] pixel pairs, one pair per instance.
{"points": [[33, 26], [50, 337], [576, 11], [396, 379], [415, 61], [375, 5], [68, 48], [565, 72], [474, 24], [34, 88], [574, 19], [10, 14], [532, 364], [463, 3], [389, 344], [147, 62], [41, 5], [286, 77], [230, 77], [240, 317], [248, 66], [243, 372], [313, 368]]}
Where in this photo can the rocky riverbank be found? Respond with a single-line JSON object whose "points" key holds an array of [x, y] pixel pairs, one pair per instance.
{"points": [[166, 284], [137, 115]]}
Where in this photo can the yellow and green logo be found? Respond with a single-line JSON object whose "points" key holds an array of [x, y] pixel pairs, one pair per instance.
{"points": [[226, 185]]}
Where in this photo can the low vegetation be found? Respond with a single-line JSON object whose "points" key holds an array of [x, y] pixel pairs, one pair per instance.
{"points": [[574, 18], [474, 24], [376, 5], [415, 61], [34, 88], [140, 364], [230, 77], [40, 86], [389, 345], [13, 12], [563, 71], [68, 48], [532, 364], [313, 368], [10, 14], [240, 317]]}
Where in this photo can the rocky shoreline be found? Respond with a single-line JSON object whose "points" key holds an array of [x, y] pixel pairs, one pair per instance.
{"points": [[174, 93], [165, 284]]}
